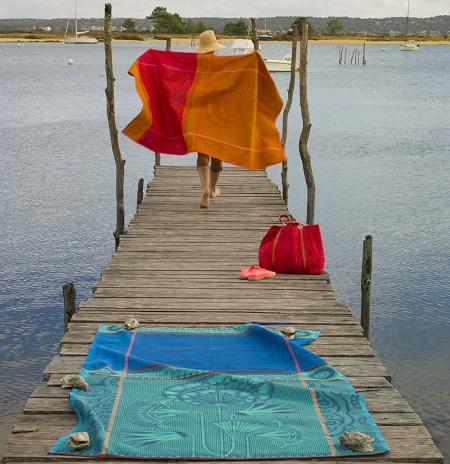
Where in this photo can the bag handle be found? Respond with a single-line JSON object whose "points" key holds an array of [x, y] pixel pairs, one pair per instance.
{"points": [[291, 222], [289, 219]]}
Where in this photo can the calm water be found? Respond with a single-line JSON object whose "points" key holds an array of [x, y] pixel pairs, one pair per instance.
{"points": [[380, 142]]}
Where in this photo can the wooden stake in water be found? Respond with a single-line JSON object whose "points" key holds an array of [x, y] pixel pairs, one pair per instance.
{"points": [[255, 38], [287, 107], [120, 162], [304, 136], [366, 280], [69, 294], [140, 193]]}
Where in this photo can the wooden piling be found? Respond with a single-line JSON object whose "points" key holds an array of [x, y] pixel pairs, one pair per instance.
{"points": [[69, 294], [304, 136], [120, 162], [366, 279], [255, 38], [287, 107], [140, 193]]}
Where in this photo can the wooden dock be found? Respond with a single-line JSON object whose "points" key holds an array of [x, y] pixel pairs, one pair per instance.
{"points": [[178, 265]]}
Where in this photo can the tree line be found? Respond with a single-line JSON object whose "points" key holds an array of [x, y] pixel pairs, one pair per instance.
{"points": [[173, 23], [439, 24]]}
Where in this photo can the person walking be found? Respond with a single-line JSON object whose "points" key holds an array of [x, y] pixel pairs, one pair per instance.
{"points": [[209, 174]]}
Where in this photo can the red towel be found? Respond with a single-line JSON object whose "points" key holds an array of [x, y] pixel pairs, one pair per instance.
{"points": [[223, 106]]}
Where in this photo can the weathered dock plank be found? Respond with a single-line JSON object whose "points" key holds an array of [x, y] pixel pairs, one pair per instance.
{"points": [[178, 265]]}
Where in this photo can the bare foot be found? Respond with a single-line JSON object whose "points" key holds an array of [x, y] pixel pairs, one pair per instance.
{"points": [[215, 192], [204, 202]]}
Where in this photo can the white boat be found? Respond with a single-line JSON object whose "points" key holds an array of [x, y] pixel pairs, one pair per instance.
{"points": [[409, 45], [283, 65], [79, 38], [246, 46], [242, 47]]}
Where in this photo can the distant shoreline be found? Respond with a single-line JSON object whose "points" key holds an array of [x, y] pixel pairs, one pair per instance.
{"points": [[16, 38]]}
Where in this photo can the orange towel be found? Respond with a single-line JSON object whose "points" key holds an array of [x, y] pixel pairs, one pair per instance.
{"points": [[223, 106]]}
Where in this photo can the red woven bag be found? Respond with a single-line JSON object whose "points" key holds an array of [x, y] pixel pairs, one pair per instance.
{"points": [[292, 248]]}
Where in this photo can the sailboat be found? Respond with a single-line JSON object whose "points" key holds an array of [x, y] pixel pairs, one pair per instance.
{"points": [[409, 45], [265, 36], [78, 39]]}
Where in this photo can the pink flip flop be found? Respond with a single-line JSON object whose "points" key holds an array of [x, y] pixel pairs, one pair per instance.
{"points": [[258, 274], [245, 271], [255, 273]]}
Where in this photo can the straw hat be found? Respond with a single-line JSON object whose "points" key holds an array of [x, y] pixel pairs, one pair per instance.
{"points": [[208, 43]]}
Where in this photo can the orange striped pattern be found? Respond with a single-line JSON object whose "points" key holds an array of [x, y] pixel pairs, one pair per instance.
{"points": [[223, 106]]}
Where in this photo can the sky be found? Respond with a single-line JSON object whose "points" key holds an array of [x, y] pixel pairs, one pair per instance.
{"points": [[48, 9]]}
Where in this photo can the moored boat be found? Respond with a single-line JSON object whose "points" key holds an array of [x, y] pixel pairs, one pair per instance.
{"points": [[242, 47], [79, 37], [409, 45], [246, 46], [283, 65]]}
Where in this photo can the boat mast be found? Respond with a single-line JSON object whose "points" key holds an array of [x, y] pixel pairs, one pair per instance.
{"points": [[407, 20], [76, 21]]}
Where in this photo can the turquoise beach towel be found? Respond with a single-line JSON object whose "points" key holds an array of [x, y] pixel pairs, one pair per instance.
{"points": [[244, 392]]}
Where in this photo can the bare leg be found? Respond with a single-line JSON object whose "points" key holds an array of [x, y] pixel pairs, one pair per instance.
{"points": [[203, 172], [215, 190]]}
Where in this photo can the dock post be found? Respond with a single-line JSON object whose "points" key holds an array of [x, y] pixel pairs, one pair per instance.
{"points": [[69, 293], [255, 38], [140, 193], [287, 107], [120, 162], [306, 128], [366, 278]]}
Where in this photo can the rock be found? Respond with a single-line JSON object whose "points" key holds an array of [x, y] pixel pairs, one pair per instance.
{"points": [[78, 440], [131, 323], [356, 441], [74, 381]]}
